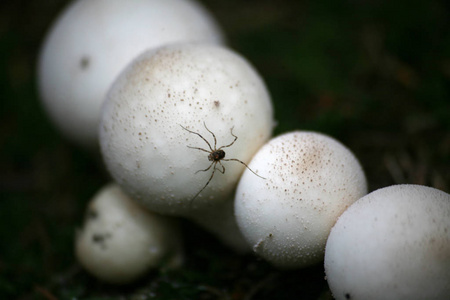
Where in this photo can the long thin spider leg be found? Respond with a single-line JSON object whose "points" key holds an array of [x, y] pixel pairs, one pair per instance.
{"points": [[207, 167], [235, 138], [234, 159], [231, 130], [199, 149], [209, 145], [215, 140], [212, 175], [223, 168]]}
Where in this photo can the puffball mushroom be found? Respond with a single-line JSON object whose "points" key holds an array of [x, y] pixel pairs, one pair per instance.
{"points": [[393, 243], [120, 241], [165, 106], [93, 40], [310, 180]]}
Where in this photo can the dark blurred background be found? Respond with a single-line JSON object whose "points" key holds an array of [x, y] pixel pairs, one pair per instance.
{"points": [[374, 74]]}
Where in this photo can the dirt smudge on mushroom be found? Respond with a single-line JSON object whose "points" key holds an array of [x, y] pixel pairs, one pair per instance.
{"points": [[100, 239], [85, 62]]}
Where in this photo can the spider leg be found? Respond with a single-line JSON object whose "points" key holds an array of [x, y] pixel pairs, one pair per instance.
{"points": [[207, 167], [223, 167], [199, 149], [215, 140], [209, 145], [234, 159], [235, 138], [212, 175]]}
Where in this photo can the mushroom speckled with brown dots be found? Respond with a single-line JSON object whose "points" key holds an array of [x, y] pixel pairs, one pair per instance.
{"points": [[393, 243], [164, 108], [93, 40], [120, 241], [310, 180]]}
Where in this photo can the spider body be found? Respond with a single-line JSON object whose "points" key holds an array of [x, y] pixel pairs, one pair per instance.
{"points": [[215, 156]]}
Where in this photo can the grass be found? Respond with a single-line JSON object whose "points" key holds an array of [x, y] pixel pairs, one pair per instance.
{"points": [[373, 74]]}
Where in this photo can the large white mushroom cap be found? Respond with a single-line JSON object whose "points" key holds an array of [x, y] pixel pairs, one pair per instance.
{"points": [[142, 139], [145, 140], [394, 244], [120, 240], [310, 180], [93, 40]]}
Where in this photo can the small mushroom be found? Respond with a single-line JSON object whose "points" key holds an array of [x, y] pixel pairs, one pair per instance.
{"points": [[310, 180], [93, 40], [393, 243], [120, 241], [165, 115]]}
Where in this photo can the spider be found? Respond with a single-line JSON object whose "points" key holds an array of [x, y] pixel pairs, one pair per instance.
{"points": [[215, 156]]}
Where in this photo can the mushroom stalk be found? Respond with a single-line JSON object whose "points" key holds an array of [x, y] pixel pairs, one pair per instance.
{"points": [[220, 220]]}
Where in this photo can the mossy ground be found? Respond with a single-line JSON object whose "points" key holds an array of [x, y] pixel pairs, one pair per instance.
{"points": [[374, 74]]}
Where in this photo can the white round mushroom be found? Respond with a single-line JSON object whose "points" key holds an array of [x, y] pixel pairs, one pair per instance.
{"points": [[310, 180], [93, 40], [120, 241], [167, 106], [394, 243], [144, 133]]}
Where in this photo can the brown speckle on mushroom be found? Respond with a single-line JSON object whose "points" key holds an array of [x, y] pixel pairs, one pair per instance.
{"points": [[85, 62], [100, 239]]}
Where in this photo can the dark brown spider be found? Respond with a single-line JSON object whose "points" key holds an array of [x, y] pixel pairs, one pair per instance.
{"points": [[215, 156]]}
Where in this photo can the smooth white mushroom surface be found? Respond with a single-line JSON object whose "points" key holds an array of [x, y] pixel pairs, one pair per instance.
{"points": [[394, 243], [93, 40], [120, 241], [310, 180], [208, 90]]}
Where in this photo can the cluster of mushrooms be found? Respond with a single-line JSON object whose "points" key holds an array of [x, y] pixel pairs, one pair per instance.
{"points": [[185, 127]]}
